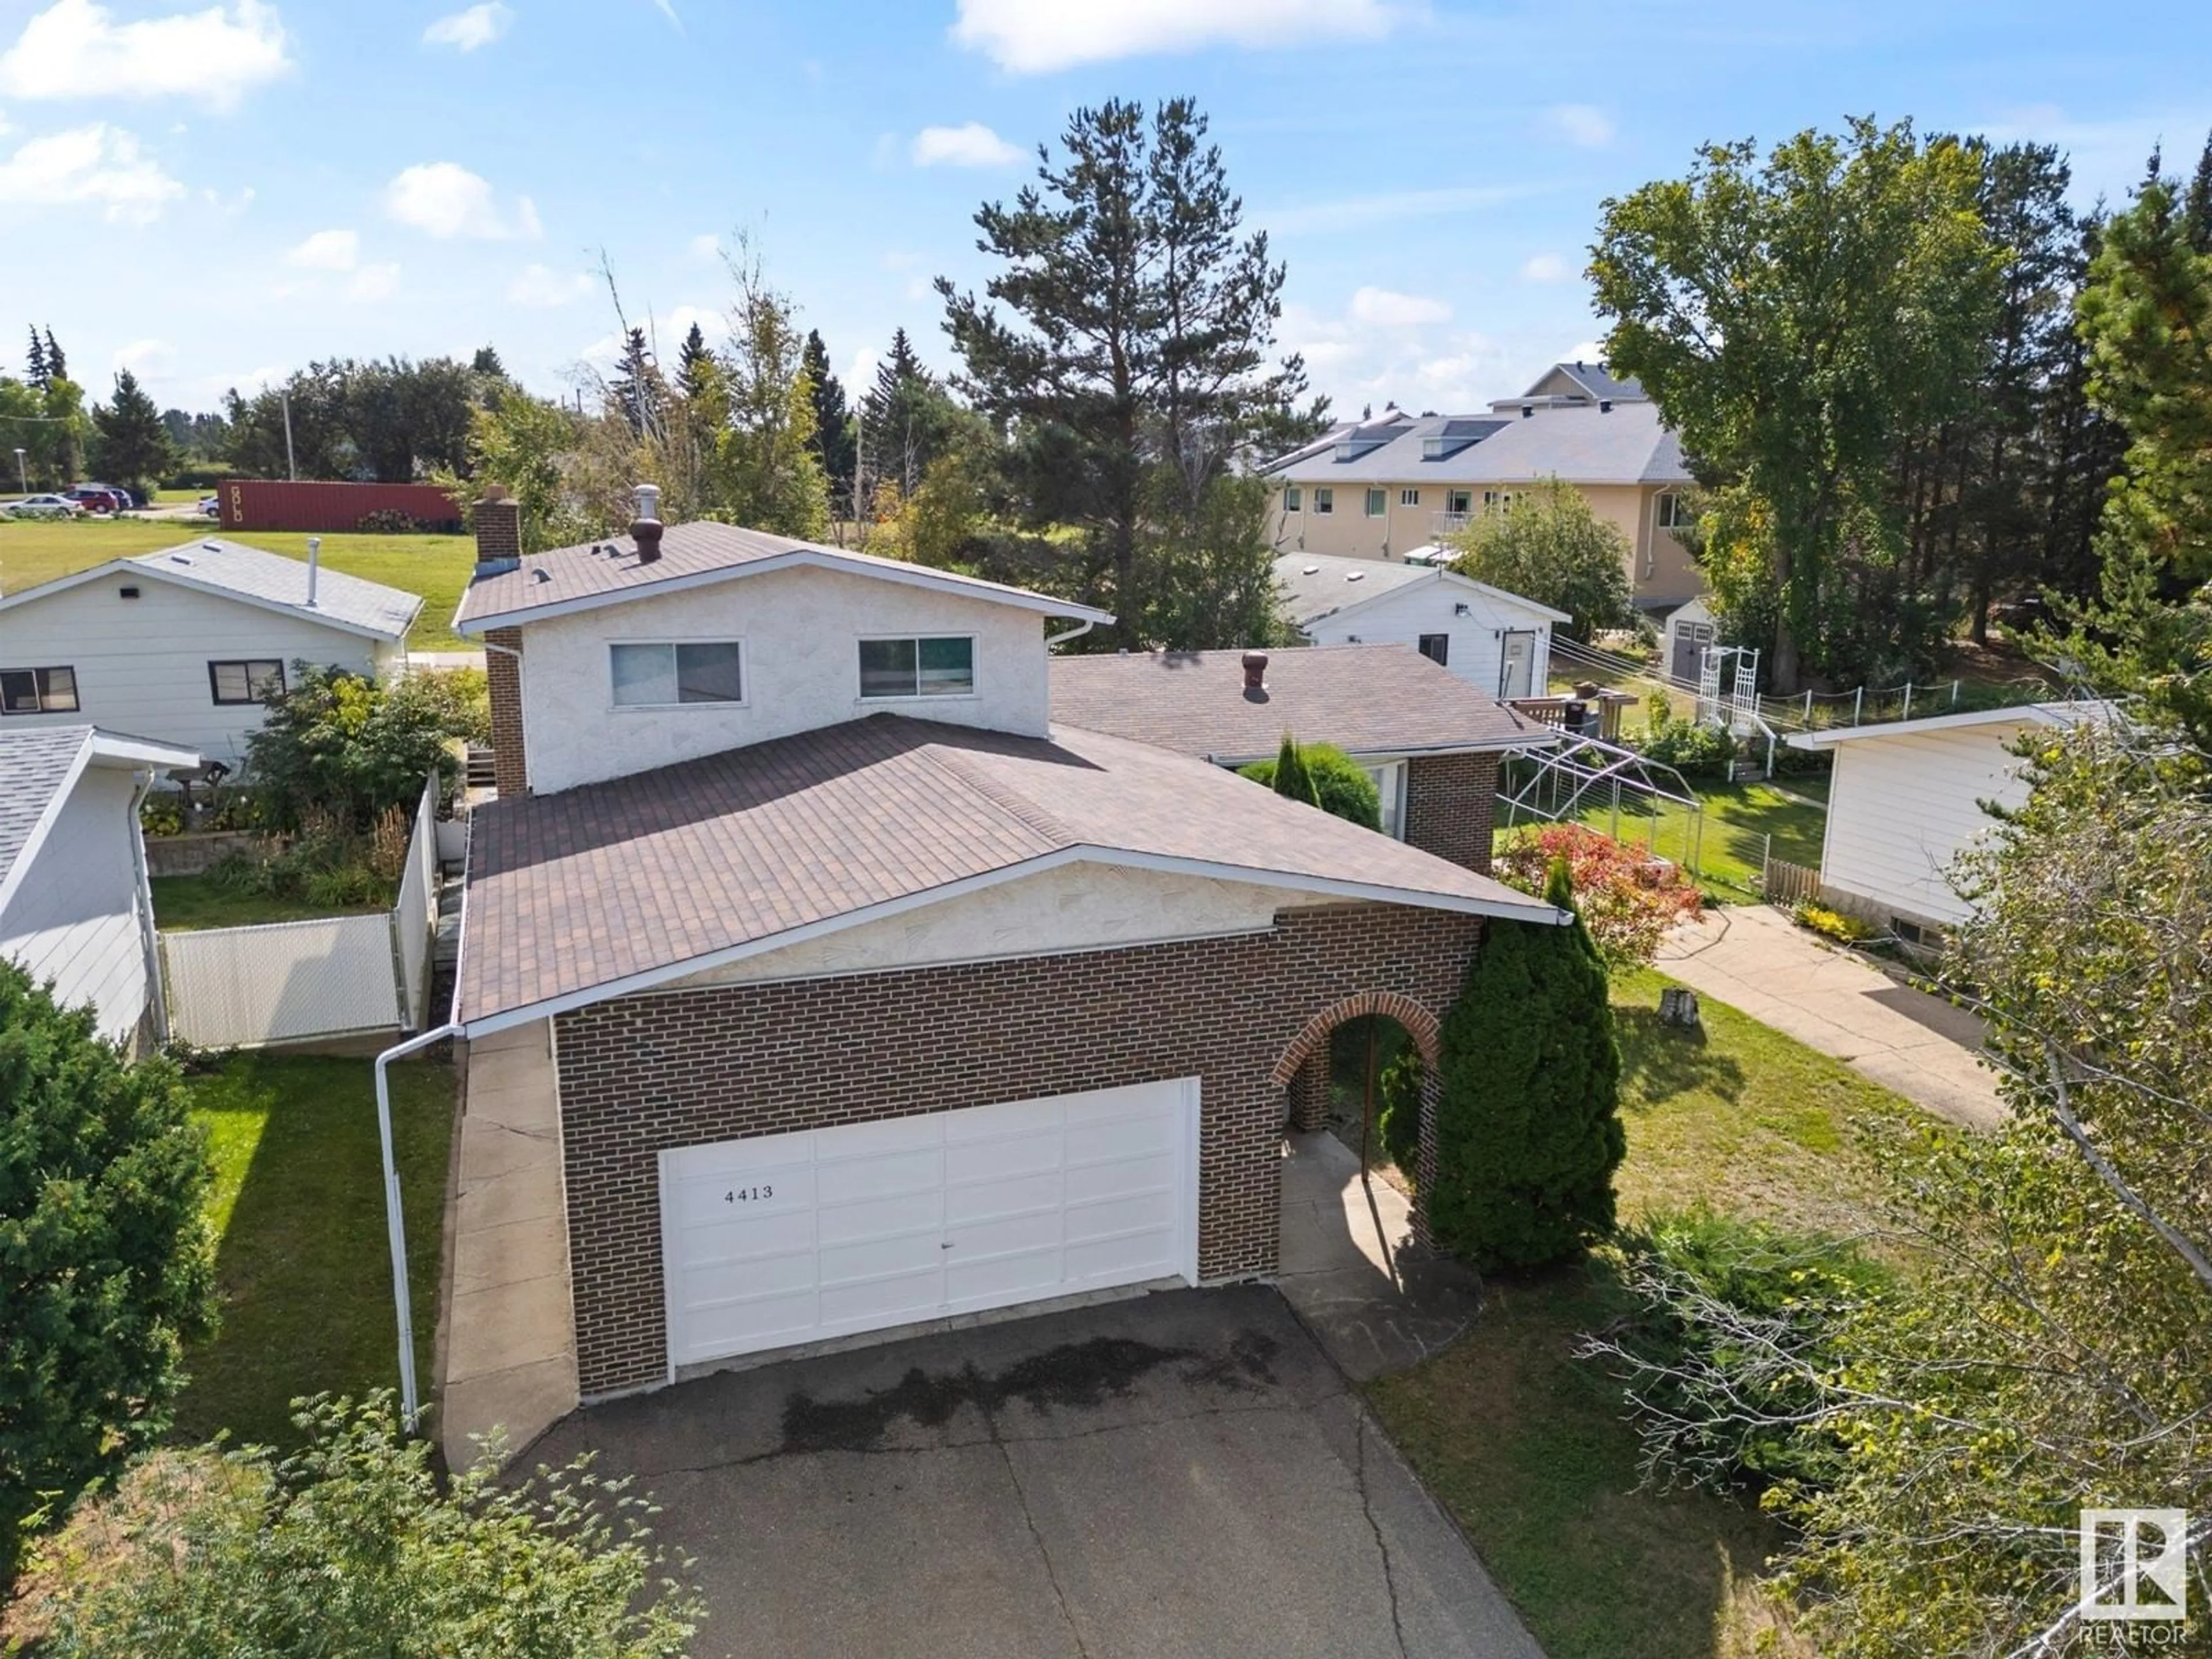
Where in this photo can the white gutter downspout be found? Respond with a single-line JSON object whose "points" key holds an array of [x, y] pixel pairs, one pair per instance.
{"points": [[394, 1221], [1075, 633], [149, 941]]}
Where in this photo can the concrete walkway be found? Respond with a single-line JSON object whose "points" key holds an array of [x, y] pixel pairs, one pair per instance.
{"points": [[1755, 959], [1374, 1301], [510, 1344]]}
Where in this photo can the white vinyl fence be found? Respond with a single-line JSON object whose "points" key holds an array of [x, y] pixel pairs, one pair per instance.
{"points": [[288, 982]]}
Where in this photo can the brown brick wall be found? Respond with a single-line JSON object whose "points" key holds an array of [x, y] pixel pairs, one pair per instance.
{"points": [[503, 675], [1308, 1107], [684, 1069], [1450, 800]]}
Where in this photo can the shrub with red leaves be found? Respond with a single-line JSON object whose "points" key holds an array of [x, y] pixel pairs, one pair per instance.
{"points": [[1628, 898]]}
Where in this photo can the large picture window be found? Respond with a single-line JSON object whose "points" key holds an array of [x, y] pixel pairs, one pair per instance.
{"points": [[38, 691], [252, 680], [924, 667], [659, 676]]}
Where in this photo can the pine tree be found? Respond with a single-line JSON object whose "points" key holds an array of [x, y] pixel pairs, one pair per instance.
{"points": [[131, 443], [692, 364], [57, 365], [1528, 1130], [486, 362], [1291, 779], [636, 389], [2197, 210], [35, 363], [833, 444], [904, 418]]}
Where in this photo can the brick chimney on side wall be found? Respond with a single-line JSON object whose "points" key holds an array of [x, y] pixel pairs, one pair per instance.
{"points": [[499, 535], [499, 549]]}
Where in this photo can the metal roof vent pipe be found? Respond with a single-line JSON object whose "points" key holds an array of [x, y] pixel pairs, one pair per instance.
{"points": [[1605, 405], [314, 567], [646, 532], [1255, 674]]}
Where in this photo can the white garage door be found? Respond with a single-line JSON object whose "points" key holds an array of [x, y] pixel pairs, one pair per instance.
{"points": [[792, 1238]]}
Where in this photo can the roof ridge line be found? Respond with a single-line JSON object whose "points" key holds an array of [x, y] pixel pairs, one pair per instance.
{"points": [[1021, 806]]}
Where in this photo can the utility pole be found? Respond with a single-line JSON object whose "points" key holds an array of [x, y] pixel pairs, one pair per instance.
{"points": [[291, 467], [22, 473]]}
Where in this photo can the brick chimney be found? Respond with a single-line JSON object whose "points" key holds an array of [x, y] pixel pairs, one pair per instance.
{"points": [[645, 531], [1256, 676], [499, 534]]}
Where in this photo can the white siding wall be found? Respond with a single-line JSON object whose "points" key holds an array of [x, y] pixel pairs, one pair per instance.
{"points": [[142, 664], [1079, 906], [801, 630], [1901, 809], [74, 918], [1429, 608]]}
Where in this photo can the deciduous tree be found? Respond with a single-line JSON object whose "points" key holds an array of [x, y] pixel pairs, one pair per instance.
{"points": [[1553, 548]]}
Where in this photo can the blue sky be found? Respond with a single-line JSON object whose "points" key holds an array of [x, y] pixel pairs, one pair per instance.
{"points": [[214, 194]]}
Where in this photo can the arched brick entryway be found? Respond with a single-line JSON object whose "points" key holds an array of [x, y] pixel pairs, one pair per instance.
{"points": [[1302, 1072]]}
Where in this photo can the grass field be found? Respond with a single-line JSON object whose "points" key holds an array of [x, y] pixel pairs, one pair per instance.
{"points": [[1528, 1446], [1738, 819], [301, 1265], [185, 903], [436, 566]]}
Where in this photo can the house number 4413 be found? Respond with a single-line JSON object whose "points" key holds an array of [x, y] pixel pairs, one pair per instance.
{"points": [[746, 1194]]}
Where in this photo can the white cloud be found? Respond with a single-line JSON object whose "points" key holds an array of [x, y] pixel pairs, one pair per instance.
{"points": [[971, 144], [542, 287], [75, 49], [445, 200], [1379, 307], [326, 250], [96, 164], [1355, 213], [374, 282], [1584, 124], [706, 247], [149, 359], [464, 31], [1032, 38], [1547, 268]]}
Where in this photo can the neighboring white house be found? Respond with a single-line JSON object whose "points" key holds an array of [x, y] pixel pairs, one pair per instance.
{"points": [[1906, 800], [1497, 641], [75, 908], [181, 645]]}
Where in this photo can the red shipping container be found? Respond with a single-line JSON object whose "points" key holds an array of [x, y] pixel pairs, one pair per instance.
{"points": [[281, 504]]}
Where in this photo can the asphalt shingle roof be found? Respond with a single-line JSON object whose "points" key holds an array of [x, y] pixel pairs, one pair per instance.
{"points": [[571, 891], [1365, 699], [33, 766], [610, 570], [272, 577]]}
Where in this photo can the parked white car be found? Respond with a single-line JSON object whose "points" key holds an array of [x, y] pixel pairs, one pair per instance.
{"points": [[43, 506]]}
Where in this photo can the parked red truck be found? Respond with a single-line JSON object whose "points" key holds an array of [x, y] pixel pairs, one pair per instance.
{"points": [[281, 504]]}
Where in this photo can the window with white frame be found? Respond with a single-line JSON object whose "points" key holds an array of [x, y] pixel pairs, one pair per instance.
{"points": [[1291, 498], [1409, 498], [1674, 511], [669, 673], [254, 680], [1324, 499], [1498, 501], [37, 691], [942, 666], [1390, 780], [1378, 502], [1459, 501]]}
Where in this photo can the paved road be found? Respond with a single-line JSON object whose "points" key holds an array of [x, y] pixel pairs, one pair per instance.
{"points": [[1754, 959], [1180, 1474]]}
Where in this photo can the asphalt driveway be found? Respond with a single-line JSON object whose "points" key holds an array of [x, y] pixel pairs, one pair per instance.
{"points": [[1181, 1474]]}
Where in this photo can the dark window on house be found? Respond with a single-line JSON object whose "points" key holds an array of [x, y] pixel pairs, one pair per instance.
{"points": [[255, 680], [1437, 647], [944, 667], [656, 675], [1409, 498], [1291, 498], [1458, 501], [38, 691], [1324, 499]]}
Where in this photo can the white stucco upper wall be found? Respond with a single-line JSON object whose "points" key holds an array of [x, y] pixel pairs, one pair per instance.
{"points": [[801, 631], [142, 664], [74, 917], [1901, 809], [1401, 616], [1075, 907]]}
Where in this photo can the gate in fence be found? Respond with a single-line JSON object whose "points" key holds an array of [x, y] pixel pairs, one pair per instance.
{"points": [[289, 981]]}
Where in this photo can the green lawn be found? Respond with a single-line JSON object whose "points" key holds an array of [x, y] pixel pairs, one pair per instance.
{"points": [[1528, 1446], [1738, 819], [301, 1265], [184, 903], [436, 566]]}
